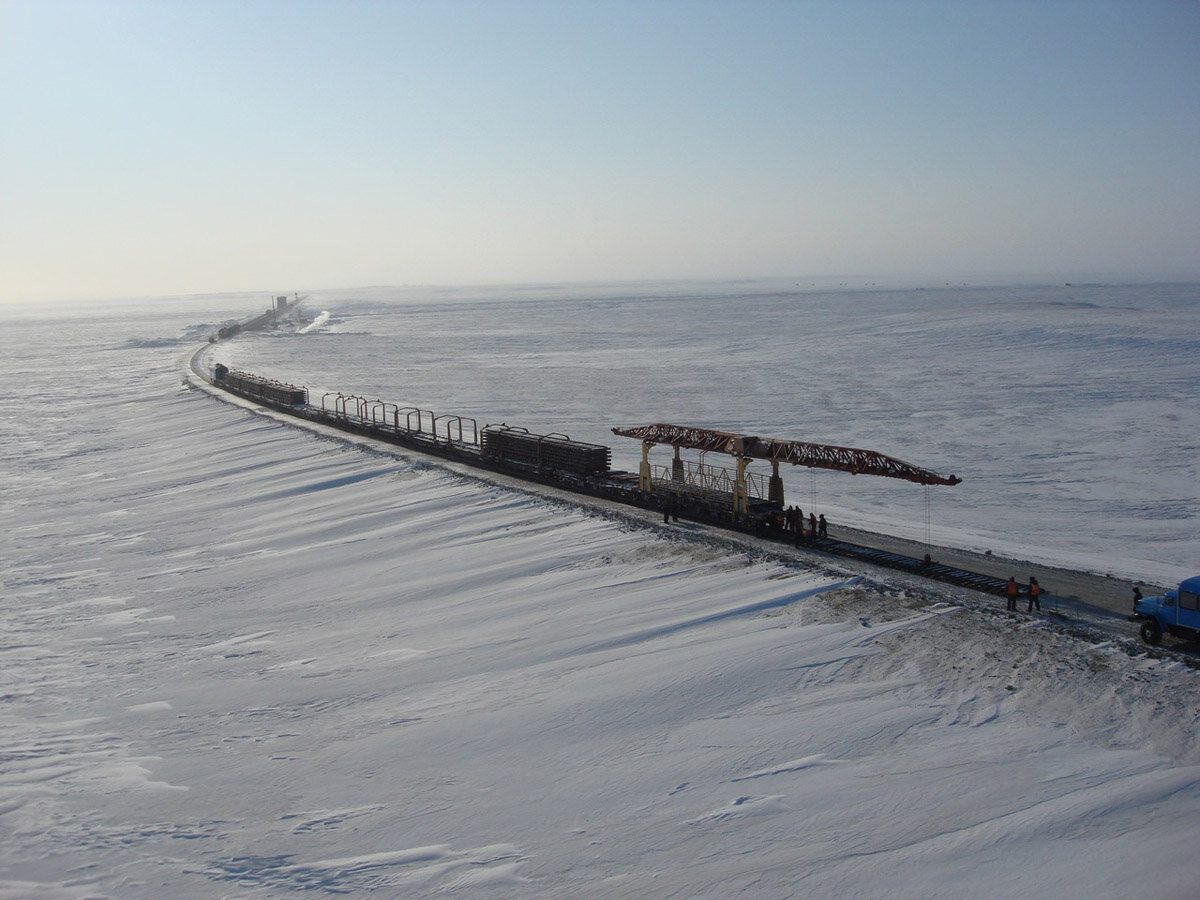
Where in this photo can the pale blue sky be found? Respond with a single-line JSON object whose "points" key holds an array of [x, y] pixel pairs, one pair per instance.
{"points": [[183, 147]]}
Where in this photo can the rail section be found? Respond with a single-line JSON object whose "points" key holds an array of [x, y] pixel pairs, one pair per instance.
{"points": [[419, 430]]}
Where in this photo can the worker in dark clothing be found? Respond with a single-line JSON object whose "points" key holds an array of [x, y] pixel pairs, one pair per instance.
{"points": [[812, 525], [1035, 594], [1137, 597], [822, 526], [1010, 590]]}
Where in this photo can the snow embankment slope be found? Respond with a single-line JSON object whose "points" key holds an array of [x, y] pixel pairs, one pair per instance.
{"points": [[247, 659]]}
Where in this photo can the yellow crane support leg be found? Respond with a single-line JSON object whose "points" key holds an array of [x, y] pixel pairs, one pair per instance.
{"points": [[644, 480], [741, 496]]}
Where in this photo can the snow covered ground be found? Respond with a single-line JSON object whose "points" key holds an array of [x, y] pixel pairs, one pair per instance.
{"points": [[242, 660], [1072, 412]]}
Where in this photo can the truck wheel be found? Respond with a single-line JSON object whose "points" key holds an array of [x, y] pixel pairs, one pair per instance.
{"points": [[1151, 632]]}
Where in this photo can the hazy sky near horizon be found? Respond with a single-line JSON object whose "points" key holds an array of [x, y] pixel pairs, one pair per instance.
{"points": [[162, 147]]}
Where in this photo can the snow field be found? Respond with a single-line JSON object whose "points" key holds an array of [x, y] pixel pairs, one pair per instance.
{"points": [[246, 661], [1069, 411], [241, 660]]}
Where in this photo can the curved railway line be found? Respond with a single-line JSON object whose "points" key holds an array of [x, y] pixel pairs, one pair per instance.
{"points": [[707, 495], [555, 460]]}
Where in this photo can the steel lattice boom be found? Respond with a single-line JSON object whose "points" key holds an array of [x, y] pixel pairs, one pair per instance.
{"points": [[798, 453]]}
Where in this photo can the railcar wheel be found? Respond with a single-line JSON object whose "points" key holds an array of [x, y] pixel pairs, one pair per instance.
{"points": [[1151, 632]]}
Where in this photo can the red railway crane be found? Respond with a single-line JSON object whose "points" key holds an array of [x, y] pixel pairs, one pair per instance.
{"points": [[745, 447]]}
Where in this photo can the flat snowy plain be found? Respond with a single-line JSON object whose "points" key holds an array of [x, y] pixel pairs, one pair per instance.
{"points": [[1072, 412], [243, 660]]}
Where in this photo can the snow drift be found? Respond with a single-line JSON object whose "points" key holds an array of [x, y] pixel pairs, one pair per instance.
{"points": [[239, 659]]}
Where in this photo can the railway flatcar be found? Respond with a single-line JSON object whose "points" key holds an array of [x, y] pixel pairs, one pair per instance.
{"points": [[556, 452], [255, 387]]}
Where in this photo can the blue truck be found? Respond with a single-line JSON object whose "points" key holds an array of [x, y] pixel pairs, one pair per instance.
{"points": [[1177, 612]]}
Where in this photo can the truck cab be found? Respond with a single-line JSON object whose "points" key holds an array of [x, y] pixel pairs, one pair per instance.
{"points": [[1177, 612]]}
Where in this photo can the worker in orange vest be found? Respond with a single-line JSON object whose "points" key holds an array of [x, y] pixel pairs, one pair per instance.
{"points": [[1011, 590], [1035, 593]]}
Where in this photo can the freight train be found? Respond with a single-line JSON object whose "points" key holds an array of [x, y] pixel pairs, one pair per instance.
{"points": [[703, 493], [553, 459]]}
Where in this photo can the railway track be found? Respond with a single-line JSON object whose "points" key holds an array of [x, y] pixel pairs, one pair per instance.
{"points": [[582, 470], [596, 481]]}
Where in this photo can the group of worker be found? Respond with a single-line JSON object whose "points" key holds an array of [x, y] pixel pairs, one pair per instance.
{"points": [[1034, 590], [793, 521]]}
